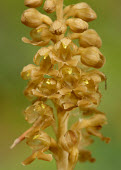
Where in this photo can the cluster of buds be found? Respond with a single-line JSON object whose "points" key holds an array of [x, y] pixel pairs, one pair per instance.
{"points": [[66, 74]]}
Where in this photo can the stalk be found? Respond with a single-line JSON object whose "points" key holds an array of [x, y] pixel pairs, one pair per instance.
{"points": [[62, 161], [59, 9]]}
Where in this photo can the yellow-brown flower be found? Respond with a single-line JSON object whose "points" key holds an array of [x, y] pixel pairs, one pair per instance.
{"points": [[66, 74]]}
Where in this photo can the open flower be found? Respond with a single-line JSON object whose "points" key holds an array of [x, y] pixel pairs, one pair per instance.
{"points": [[40, 36], [39, 110], [64, 52], [47, 88], [40, 142]]}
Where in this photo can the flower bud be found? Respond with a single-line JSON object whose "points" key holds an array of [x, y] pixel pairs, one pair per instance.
{"points": [[80, 10], [77, 25], [33, 18], [50, 6], [84, 12], [90, 38], [41, 33], [58, 28], [92, 57], [33, 3]]}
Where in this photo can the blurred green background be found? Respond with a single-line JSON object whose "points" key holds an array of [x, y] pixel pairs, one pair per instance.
{"points": [[14, 55]]}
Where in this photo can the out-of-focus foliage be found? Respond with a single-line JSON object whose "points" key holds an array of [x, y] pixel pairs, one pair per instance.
{"points": [[14, 55]]}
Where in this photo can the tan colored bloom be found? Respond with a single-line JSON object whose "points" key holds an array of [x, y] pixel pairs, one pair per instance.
{"points": [[33, 3], [65, 75], [38, 109], [63, 53], [40, 36]]}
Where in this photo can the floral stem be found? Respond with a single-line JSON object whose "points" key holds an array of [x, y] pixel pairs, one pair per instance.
{"points": [[62, 161], [59, 9]]}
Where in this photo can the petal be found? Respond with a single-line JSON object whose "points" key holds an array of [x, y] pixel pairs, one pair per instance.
{"points": [[30, 159], [45, 157], [41, 43]]}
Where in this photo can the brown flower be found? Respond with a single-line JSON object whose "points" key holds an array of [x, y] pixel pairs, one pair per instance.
{"points": [[65, 75]]}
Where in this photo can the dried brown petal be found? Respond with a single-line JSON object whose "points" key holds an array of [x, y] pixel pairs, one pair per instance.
{"points": [[41, 43], [85, 155], [64, 91], [95, 131], [33, 3], [43, 52], [96, 120], [90, 101], [65, 42], [50, 6], [30, 159], [77, 25], [67, 101], [63, 53], [43, 156]]}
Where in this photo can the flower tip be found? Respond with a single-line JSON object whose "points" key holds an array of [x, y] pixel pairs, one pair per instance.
{"points": [[15, 143], [23, 163]]}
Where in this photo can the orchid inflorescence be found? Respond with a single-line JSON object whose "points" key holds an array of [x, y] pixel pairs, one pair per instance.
{"points": [[62, 72]]}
